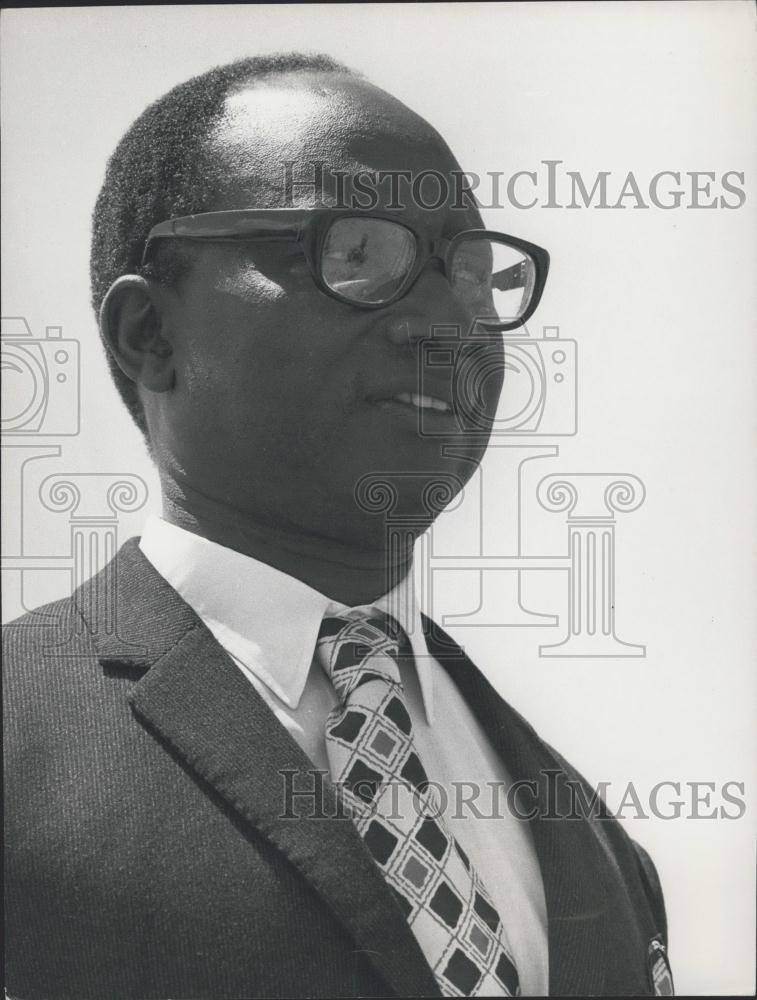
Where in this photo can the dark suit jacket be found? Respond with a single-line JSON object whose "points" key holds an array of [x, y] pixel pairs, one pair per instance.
{"points": [[146, 850]]}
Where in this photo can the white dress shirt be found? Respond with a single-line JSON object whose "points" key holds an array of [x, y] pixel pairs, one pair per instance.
{"points": [[268, 622]]}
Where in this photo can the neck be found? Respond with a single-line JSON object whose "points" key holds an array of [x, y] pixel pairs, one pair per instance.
{"points": [[343, 572]]}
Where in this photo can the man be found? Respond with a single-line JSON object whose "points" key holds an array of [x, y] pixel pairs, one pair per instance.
{"points": [[203, 742]]}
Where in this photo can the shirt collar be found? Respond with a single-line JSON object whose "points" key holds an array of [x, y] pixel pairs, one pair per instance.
{"points": [[267, 619]]}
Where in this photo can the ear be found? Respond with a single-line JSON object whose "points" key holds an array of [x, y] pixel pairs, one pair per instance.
{"points": [[131, 324]]}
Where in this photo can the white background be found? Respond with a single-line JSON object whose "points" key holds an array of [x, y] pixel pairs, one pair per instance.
{"points": [[662, 304]]}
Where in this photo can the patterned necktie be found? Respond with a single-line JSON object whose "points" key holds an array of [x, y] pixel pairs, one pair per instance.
{"points": [[369, 741]]}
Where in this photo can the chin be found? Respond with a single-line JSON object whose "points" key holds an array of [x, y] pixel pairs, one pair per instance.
{"points": [[387, 535], [411, 479], [396, 500]]}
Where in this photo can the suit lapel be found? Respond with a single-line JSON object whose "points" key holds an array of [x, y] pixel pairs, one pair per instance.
{"points": [[196, 701], [571, 862]]}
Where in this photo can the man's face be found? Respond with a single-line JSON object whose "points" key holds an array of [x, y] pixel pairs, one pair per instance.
{"points": [[284, 396]]}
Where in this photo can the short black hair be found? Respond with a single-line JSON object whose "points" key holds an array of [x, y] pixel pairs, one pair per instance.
{"points": [[157, 171]]}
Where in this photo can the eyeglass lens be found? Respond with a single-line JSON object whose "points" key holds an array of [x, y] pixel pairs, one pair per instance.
{"points": [[493, 279], [368, 261]]}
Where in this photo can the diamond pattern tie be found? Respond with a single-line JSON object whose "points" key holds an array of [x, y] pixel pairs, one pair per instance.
{"points": [[369, 741]]}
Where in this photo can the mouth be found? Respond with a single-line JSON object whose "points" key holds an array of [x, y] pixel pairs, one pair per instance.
{"points": [[416, 401], [415, 405], [402, 401]]}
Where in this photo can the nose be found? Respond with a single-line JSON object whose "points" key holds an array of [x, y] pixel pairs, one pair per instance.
{"points": [[430, 302]]}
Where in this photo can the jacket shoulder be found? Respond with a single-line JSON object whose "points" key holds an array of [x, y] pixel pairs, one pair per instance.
{"points": [[44, 652], [653, 889], [36, 626], [38, 637], [628, 857]]}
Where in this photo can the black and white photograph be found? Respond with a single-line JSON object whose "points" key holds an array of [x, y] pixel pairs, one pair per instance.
{"points": [[379, 563]]}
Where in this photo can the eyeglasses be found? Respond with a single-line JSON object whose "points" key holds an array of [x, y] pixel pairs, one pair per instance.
{"points": [[370, 259]]}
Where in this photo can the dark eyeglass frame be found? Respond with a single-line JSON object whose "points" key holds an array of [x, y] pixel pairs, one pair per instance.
{"points": [[310, 226]]}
